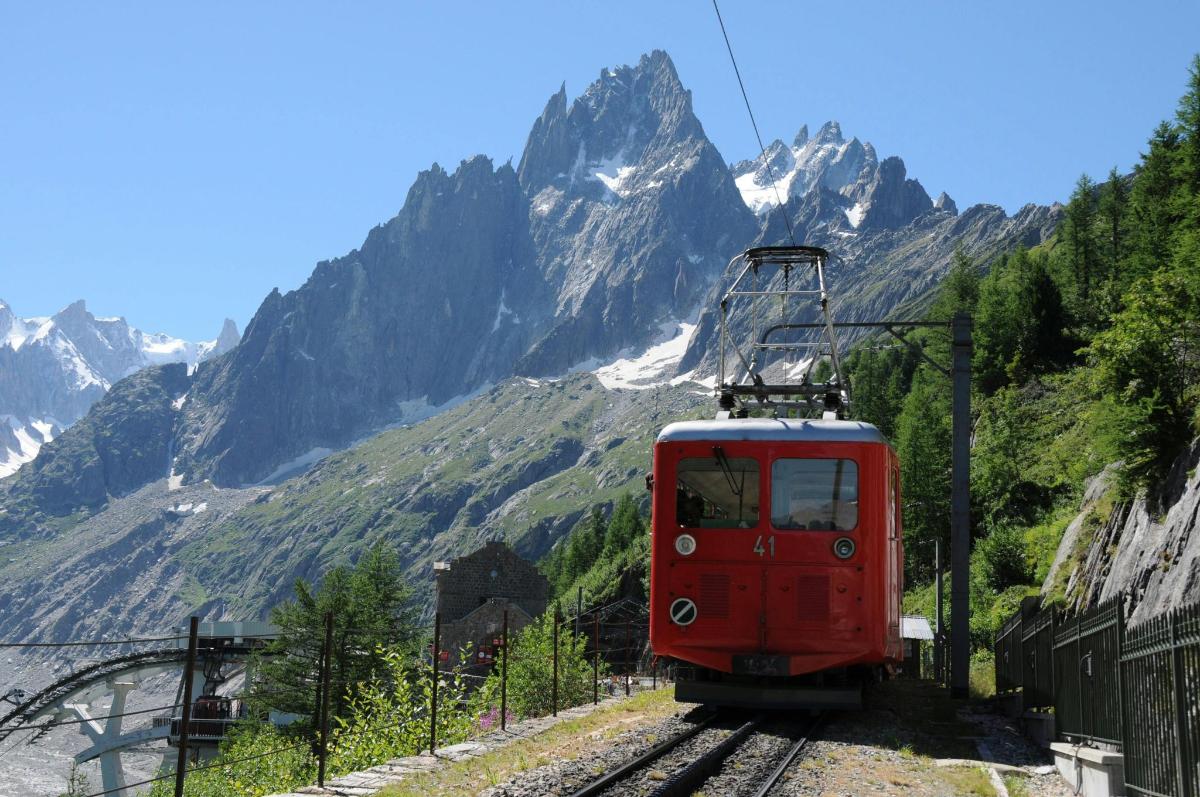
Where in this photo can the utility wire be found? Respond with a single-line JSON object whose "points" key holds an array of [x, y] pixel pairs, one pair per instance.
{"points": [[754, 124]]}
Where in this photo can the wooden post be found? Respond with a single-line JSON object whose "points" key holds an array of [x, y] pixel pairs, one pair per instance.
{"points": [[326, 668], [437, 652], [504, 674], [554, 685], [185, 719]]}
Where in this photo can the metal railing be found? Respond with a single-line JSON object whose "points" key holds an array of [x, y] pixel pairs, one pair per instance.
{"points": [[1135, 687]]}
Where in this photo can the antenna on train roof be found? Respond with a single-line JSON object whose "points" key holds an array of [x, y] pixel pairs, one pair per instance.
{"points": [[777, 264]]}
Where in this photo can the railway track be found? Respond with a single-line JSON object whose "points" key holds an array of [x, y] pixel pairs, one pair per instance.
{"points": [[690, 777]]}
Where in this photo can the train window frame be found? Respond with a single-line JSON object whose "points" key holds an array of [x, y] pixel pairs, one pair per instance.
{"points": [[837, 530], [723, 464]]}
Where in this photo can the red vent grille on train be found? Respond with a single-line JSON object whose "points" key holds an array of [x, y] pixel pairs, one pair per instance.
{"points": [[714, 597], [812, 599]]}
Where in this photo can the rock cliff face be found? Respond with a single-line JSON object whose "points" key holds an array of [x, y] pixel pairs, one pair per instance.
{"points": [[436, 302], [1147, 550], [52, 370]]}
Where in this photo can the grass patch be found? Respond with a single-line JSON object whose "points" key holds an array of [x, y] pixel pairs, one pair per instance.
{"points": [[567, 740], [983, 675], [973, 781], [1016, 785]]}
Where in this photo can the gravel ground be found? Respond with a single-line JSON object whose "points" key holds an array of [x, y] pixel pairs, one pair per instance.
{"points": [[565, 776], [900, 744]]}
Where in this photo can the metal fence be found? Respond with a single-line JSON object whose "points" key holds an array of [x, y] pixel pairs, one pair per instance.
{"points": [[1137, 688]]}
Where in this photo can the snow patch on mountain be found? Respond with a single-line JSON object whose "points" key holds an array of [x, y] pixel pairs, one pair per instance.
{"points": [[651, 367], [826, 160]]}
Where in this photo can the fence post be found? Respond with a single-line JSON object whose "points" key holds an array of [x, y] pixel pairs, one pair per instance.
{"points": [[595, 659], [504, 674], [628, 646], [960, 508], [939, 636], [1179, 708], [578, 614], [654, 673], [189, 670], [326, 668], [1079, 668], [1121, 670], [437, 652]]}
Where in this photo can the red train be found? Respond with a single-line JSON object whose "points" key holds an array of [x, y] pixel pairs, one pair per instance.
{"points": [[777, 560]]}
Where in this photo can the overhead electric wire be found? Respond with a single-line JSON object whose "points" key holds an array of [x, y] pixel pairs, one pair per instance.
{"points": [[754, 124], [89, 642]]}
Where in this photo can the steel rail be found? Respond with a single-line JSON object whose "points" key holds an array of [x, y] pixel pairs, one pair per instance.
{"points": [[684, 782], [651, 755], [788, 758]]}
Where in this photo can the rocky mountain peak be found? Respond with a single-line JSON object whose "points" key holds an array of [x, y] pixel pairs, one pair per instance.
{"points": [[801, 138], [830, 133], [944, 202], [228, 337], [608, 127], [892, 200]]}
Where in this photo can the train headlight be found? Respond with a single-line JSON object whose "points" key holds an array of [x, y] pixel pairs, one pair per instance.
{"points": [[683, 611], [843, 547], [685, 544]]}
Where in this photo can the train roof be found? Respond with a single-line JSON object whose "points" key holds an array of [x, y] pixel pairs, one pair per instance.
{"points": [[783, 429]]}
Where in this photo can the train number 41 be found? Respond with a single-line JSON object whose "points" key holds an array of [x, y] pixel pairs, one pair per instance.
{"points": [[760, 550]]}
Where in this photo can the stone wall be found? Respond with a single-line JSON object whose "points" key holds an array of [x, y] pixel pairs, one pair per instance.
{"points": [[474, 592]]}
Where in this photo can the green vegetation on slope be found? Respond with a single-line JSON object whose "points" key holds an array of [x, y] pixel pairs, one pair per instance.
{"points": [[521, 462], [1087, 352]]}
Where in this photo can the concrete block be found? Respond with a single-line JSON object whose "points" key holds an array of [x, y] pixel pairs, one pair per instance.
{"points": [[1039, 726], [1091, 772]]}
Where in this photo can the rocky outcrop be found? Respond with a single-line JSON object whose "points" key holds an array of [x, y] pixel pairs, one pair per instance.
{"points": [[1147, 550], [123, 443], [877, 273]]}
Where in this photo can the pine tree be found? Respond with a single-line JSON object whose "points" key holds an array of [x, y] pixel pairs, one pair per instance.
{"points": [[1114, 222], [1151, 200], [1078, 233], [371, 606], [1188, 116]]}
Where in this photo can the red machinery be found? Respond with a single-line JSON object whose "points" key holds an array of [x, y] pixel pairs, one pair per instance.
{"points": [[776, 560]]}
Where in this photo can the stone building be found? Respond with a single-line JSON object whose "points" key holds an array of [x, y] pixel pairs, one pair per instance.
{"points": [[473, 592]]}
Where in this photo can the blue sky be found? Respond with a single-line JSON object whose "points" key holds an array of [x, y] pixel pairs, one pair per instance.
{"points": [[173, 162]]}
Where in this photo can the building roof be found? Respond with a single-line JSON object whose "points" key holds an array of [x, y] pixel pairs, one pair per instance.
{"points": [[786, 429], [915, 627]]}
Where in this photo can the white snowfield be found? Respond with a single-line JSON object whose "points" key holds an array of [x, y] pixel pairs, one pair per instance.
{"points": [[825, 160], [652, 367]]}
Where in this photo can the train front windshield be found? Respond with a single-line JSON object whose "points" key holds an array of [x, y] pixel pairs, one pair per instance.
{"points": [[814, 494], [717, 492]]}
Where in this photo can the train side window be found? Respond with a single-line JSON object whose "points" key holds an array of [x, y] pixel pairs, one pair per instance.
{"points": [[814, 494], [717, 492]]}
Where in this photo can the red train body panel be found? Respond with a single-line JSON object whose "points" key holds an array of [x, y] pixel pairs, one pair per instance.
{"points": [[763, 592]]}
